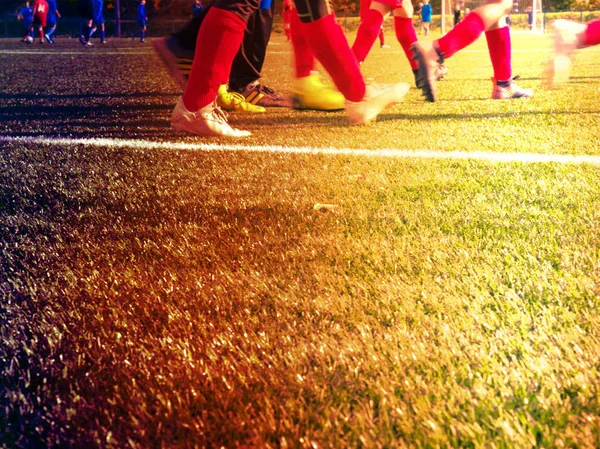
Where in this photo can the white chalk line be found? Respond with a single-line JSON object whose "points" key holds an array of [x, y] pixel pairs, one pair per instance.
{"points": [[383, 153]]}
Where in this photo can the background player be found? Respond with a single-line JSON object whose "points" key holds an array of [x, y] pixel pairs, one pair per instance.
{"points": [[98, 20], [142, 21], [40, 13], [26, 15], [51, 20]]}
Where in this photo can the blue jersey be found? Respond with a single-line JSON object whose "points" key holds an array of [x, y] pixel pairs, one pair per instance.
{"points": [[141, 15], [426, 12], [197, 8], [51, 17], [97, 12], [27, 14]]}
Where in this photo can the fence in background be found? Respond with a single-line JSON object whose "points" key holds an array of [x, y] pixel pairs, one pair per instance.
{"points": [[12, 28]]}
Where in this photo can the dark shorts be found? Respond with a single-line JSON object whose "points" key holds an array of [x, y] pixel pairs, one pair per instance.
{"points": [[86, 9]]}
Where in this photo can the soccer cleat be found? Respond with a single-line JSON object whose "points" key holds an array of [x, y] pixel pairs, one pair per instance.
{"points": [[260, 95], [566, 41], [377, 98], [309, 92], [384, 46], [235, 102], [177, 58], [440, 73], [510, 92], [430, 61], [208, 121]]}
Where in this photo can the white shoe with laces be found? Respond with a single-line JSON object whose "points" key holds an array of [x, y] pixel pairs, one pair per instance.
{"points": [[376, 99], [211, 120], [566, 41]]}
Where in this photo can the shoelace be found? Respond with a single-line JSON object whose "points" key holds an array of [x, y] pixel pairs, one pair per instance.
{"points": [[219, 114], [267, 90]]}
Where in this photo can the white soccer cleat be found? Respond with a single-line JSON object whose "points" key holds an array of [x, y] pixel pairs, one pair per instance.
{"points": [[510, 92], [376, 99], [566, 41], [208, 121]]}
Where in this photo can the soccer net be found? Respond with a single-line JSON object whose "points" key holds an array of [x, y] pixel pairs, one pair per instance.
{"points": [[525, 15]]}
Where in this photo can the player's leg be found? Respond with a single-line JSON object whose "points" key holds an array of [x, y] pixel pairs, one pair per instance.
{"points": [[308, 91], [218, 41], [500, 50], [405, 32], [430, 54], [329, 45], [371, 21], [51, 29], [569, 36], [248, 62]]}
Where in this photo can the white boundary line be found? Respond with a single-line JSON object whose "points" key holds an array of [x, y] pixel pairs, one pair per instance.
{"points": [[383, 153]]}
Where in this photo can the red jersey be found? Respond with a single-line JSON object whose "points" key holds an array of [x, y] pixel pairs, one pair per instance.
{"points": [[40, 12]]}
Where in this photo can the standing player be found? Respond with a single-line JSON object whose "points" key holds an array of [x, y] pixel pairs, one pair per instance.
{"points": [[426, 13], [86, 11], [142, 21], [98, 21], [219, 39], [51, 20], [488, 18], [26, 15], [40, 13], [568, 37]]}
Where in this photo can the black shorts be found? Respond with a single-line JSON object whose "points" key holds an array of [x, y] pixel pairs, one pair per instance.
{"points": [[86, 9]]}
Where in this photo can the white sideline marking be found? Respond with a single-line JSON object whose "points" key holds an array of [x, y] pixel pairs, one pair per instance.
{"points": [[36, 52], [384, 153]]}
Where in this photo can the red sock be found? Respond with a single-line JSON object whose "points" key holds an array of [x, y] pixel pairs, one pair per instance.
{"points": [[381, 37], [303, 55], [406, 35], [218, 41], [465, 33], [369, 28], [41, 35], [592, 34], [329, 44], [498, 42]]}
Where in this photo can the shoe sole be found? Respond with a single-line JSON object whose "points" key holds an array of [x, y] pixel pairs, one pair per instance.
{"points": [[297, 103], [162, 50]]}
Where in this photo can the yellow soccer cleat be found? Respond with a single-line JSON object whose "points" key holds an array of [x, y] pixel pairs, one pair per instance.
{"points": [[310, 93], [235, 102]]}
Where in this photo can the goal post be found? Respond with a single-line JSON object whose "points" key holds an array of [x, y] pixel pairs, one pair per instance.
{"points": [[522, 13]]}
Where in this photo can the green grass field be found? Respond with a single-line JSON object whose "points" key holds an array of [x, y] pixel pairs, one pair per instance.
{"points": [[156, 298]]}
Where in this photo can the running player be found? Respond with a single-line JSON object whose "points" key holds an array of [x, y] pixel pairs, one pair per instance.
{"points": [[569, 36], [373, 14], [488, 18], [219, 39]]}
